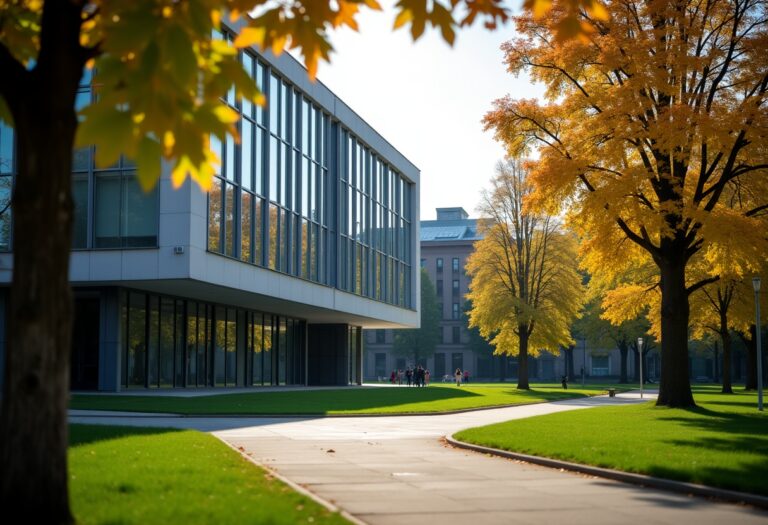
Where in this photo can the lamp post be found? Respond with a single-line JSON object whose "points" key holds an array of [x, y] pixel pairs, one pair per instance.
{"points": [[759, 343], [583, 361], [640, 351]]}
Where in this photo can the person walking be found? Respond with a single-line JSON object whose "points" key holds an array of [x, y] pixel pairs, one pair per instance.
{"points": [[458, 376], [408, 376], [466, 376], [392, 377], [426, 376], [564, 382]]}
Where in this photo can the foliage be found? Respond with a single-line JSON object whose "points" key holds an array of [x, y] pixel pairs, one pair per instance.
{"points": [[146, 475], [420, 343], [653, 139], [438, 397], [720, 444], [524, 276], [162, 75]]}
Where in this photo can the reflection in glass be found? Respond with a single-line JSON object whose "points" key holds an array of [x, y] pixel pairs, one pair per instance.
{"points": [[219, 348], [80, 198], [229, 221], [214, 216], [245, 227]]}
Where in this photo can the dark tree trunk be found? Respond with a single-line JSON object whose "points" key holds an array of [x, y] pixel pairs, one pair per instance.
{"points": [[568, 359], [675, 385], [623, 370], [522, 360], [33, 418], [750, 382], [725, 336]]}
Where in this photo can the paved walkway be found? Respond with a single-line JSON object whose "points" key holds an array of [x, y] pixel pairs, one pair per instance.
{"points": [[396, 470]]}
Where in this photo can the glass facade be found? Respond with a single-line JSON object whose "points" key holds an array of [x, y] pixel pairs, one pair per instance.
{"points": [[302, 195], [7, 169], [172, 342]]}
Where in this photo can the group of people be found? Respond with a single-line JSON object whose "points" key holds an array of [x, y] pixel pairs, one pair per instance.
{"points": [[418, 376], [461, 376]]}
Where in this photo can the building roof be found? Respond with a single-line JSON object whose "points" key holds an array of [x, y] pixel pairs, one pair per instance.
{"points": [[450, 230]]}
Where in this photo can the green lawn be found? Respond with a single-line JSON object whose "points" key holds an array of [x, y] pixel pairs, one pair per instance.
{"points": [[126, 475], [372, 400], [723, 443]]}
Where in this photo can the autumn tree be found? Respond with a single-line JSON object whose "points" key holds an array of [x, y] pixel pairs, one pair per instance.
{"points": [[649, 121], [525, 288], [161, 76], [420, 343]]}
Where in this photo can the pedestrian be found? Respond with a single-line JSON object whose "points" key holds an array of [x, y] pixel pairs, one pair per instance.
{"points": [[466, 376], [564, 382], [400, 377], [408, 376], [458, 376], [426, 376], [392, 377]]}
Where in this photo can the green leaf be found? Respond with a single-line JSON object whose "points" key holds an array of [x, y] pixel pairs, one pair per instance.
{"points": [[148, 160], [110, 130], [180, 56]]}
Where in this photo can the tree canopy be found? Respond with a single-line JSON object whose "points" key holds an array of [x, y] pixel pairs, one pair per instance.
{"points": [[653, 139], [525, 287]]}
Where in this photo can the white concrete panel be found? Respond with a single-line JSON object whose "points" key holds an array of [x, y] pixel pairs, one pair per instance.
{"points": [[140, 264], [79, 266], [198, 231], [174, 229], [106, 265], [174, 200], [172, 265]]}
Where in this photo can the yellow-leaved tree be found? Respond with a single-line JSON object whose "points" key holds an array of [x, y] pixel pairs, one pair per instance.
{"points": [[650, 121], [525, 287]]}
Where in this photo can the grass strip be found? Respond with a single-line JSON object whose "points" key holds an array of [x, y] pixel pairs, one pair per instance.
{"points": [[721, 443], [372, 400], [130, 475]]}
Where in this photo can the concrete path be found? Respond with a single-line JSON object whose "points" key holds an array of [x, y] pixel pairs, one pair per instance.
{"points": [[396, 470]]}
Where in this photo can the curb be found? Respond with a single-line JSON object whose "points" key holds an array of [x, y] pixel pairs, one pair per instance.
{"points": [[295, 486], [682, 487]]}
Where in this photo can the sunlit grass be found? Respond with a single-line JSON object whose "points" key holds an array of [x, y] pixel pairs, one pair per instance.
{"points": [[372, 400], [723, 442], [126, 475]]}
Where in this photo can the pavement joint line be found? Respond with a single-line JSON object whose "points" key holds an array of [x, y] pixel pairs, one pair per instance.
{"points": [[691, 489], [295, 486]]}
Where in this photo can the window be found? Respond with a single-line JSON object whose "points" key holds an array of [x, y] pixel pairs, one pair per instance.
{"points": [[380, 366], [456, 335], [380, 336], [439, 287], [455, 264], [455, 288], [439, 265], [125, 216], [455, 311], [457, 361], [423, 263], [600, 365]]}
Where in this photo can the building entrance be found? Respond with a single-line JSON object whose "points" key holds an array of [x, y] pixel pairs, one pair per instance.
{"points": [[85, 345]]}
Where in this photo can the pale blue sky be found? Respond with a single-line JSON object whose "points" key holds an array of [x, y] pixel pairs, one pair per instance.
{"points": [[427, 99]]}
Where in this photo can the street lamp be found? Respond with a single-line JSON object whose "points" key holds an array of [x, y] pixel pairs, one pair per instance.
{"points": [[640, 351], [583, 361], [759, 343]]}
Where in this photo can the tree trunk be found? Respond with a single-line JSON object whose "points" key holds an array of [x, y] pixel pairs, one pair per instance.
{"points": [[33, 418], [623, 370], [675, 385], [522, 360], [725, 336], [569, 371], [750, 383]]}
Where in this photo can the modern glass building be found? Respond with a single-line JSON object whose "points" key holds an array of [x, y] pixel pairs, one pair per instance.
{"points": [[307, 237]]}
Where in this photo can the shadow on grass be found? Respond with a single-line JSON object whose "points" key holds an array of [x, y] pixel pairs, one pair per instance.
{"points": [[740, 477], [80, 435]]}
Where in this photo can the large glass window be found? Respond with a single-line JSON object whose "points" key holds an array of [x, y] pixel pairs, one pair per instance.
{"points": [[125, 216]]}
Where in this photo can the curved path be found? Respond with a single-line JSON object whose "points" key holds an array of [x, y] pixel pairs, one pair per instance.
{"points": [[396, 470]]}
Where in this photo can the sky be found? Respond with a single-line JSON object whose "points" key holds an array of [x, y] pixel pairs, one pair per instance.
{"points": [[428, 99]]}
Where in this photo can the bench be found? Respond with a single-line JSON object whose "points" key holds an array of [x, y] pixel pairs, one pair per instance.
{"points": [[611, 392]]}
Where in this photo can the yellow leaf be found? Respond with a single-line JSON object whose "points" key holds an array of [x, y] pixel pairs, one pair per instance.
{"points": [[169, 140], [225, 114], [250, 36], [403, 17], [180, 171]]}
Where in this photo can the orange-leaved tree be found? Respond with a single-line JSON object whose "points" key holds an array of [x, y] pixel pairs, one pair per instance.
{"points": [[649, 121], [160, 78], [526, 289]]}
